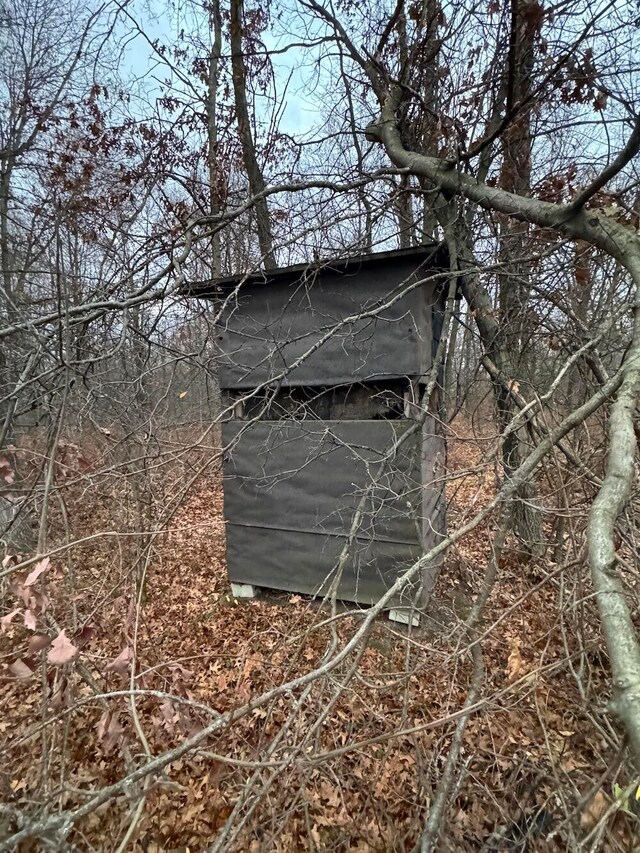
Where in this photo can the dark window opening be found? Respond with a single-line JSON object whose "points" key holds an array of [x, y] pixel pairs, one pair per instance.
{"points": [[390, 400]]}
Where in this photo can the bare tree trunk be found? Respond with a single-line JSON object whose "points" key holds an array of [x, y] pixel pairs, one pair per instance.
{"points": [[7, 366], [404, 210], [254, 173], [215, 178], [611, 592], [515, 275], [215, 188], [451, 378], [403, 201], [502, 339], [434, 205]]}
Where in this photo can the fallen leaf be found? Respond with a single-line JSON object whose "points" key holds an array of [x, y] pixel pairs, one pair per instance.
{"points": [[40, 567], [183, 394], [85, 635], [62, 650], [109, 730], [35, 601], [596, 809], [515, 664], [38, 642], [168, 711], [21, 670], [6, 620], [30, 620], [121, 663], [252, 662]]}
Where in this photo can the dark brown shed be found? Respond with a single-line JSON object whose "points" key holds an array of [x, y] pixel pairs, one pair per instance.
{"points": [[321, 367]]}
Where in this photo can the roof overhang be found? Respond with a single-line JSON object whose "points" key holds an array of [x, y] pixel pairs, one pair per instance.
{"points": [[433, 255]]}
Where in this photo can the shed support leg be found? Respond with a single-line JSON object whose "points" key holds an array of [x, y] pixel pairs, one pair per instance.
{"points": [[405, 617], [243, 590]]}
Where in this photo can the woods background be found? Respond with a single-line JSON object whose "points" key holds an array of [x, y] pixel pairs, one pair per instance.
{"points": [[146, 147]]}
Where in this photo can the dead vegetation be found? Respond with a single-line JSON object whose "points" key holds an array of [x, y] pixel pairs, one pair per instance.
{"points": [[348, 762]]}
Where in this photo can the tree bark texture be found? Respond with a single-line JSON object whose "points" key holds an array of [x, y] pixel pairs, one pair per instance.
{"points": [[254, 173]]}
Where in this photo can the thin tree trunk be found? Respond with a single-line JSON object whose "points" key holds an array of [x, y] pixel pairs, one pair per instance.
{"points": [[215, 179], [215, 188], [514, 279], [611, 592], [7, 371], [404, 210], [254, 173], [434, 205], [450, 372]]}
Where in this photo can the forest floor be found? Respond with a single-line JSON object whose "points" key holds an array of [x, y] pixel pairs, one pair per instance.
{"points": [[539, 756]]}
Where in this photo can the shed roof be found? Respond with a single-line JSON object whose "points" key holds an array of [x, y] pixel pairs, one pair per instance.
{"points": [[433, 254]]}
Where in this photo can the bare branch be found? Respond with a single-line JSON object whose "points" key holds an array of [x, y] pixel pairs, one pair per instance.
{"points": [[623, 159]]}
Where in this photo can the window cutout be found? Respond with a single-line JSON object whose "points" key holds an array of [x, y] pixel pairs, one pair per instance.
{"points": [[378, 401]]}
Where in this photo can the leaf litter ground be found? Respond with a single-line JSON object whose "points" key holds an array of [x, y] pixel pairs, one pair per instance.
{"points": [[337, 769]]}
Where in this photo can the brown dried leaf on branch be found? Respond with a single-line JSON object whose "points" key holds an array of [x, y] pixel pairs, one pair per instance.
{"points": [[38, 642], [5, 622], [121, 663], [6, 471], [39, 569], [20, 669], [62, 650]]}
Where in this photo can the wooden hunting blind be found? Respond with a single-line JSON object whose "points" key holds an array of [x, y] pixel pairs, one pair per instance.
{"points": [[322, 369]]}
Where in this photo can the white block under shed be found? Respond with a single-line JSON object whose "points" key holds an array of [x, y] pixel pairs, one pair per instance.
{"points": [[405, 617], [243, 590]]}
